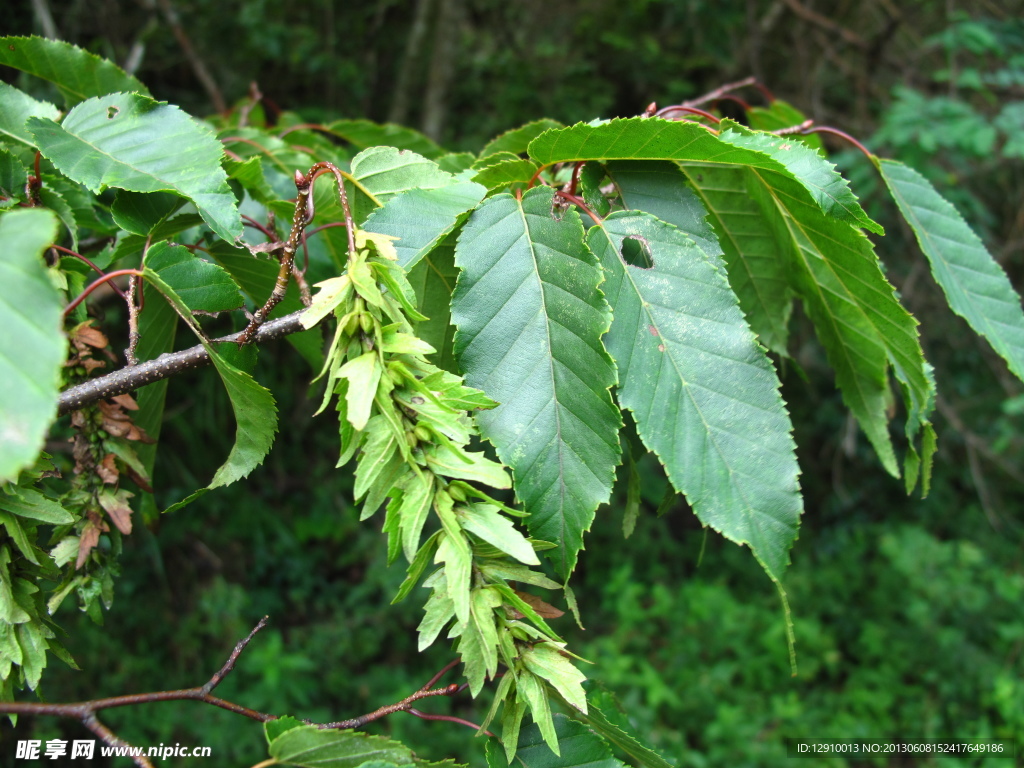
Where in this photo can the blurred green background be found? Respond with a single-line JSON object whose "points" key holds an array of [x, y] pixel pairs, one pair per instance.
{"points": [[907, 612]]}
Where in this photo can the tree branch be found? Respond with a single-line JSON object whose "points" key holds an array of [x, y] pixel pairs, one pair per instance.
{"points": [[85, 711], [134, 376]]}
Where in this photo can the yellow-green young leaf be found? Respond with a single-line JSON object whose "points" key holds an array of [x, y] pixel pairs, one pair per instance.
{"points": [[77, 73], [379, 448], [363, 374], [703, 393], [439, 610], [533, 690], [511, 721], [479, 469], [485, 522], [453, 550], [132, 142], [422, 218], [546, 661], [580, 748], [18, 535], [334, 292], [976, 287], [418, 493], [530, 318], [33, 650], [32, 345]]}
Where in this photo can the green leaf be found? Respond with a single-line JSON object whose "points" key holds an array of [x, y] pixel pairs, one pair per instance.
{"points": [[32, 345], [53, 200], [132, 142], [385, 172], [77, 74], [547, 662], [198, 283], [363, 374], [438, 611], [580, 748], [517, 140], [480, 469], [506, 172], [16, 107], [13, 177], [453, 550], [495, 529], [433, 278], [422, 218], [309, 746], [781, 114], [455, 162], [253, 406], [363, 134], [274, 728], [757, 274], [19, 536], [976, 287], [818, 176], [864, 329], [31, 504], [620, 736], [140, 213], [530, 318], [700, 386]]}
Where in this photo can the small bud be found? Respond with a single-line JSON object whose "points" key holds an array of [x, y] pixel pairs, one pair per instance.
{"points": [[352, 324], [300, 179], [424, 434], [366, 323], [410, 438], [457, 493]]}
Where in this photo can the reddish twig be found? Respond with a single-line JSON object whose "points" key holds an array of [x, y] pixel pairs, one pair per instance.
{"points": [[96, 284], [448, 719], [721, 91], [95, 268], [249, 221], [666, 111], [841, 134], [578, 201], [575, 177]]}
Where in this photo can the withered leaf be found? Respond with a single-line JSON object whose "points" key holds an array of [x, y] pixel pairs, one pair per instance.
{"points": [[543, 609], [89, 538], [86, 334], [107, 470], [116, 505], [126, 401]]}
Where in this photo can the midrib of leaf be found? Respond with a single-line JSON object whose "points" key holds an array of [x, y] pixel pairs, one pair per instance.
{"points": [[551, 372]]}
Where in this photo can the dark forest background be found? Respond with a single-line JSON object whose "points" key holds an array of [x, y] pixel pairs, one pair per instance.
{"points": [[907, 612]]}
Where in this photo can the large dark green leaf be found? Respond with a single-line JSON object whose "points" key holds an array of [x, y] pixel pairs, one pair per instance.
{"points": [[620, 735], [132, 142], [421, 218], [702, 391], [16, 108], [863, 327], [976, 286], [32, 346], [530, 318], [77, 74]]}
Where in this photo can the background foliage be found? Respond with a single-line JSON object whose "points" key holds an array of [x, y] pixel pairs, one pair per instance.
{"points": [[907, 612]]}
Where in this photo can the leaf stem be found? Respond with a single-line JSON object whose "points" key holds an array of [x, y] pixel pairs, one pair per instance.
{"points": [[96, 284]]}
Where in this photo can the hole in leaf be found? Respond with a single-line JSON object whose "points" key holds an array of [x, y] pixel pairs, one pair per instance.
{"points": [[637, 253], [112, 112]]}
